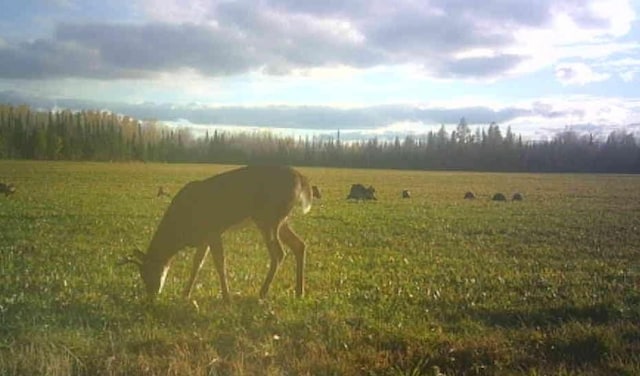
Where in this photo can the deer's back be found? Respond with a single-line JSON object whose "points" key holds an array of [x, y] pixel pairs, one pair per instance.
{"points": [[260, 193]]}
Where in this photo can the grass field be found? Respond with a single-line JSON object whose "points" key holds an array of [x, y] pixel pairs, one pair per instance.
{"points": [[430, 285]]}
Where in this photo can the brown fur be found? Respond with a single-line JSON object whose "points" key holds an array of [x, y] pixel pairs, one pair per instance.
{"points": [[203, 210]]}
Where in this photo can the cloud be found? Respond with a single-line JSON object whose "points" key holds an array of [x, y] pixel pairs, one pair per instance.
{"points": [[535, 118], [627, 68], [480, 66], [276, 37], [578, 74], [45, 59], [160, 47], [281, 116]]}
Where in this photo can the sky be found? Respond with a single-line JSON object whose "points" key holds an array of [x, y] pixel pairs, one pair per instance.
{"points": [[362, 67]]}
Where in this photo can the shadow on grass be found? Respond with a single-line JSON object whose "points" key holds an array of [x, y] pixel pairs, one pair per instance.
{"points": [[573, 336], [552, 316]]}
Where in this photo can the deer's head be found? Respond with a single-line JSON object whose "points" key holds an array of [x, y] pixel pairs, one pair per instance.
{"points": [[153, 272]]}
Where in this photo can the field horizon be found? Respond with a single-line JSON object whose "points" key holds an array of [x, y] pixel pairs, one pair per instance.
{"points": [[433, 285]]}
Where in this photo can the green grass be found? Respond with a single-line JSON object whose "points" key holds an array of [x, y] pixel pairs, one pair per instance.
{"points": [[430, 285]]}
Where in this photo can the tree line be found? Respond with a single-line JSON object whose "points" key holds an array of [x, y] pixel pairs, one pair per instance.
{"points": [[104, 136]]}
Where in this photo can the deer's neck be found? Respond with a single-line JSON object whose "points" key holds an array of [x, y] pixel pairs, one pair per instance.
{"points": [[161, 250]]}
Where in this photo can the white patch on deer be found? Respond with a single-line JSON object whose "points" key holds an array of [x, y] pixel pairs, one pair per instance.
{"points": [[163, 278]]}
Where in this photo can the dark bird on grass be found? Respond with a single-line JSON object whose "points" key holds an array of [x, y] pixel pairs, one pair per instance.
{"points": [[499, 197], [360, 192], [7, 189]]}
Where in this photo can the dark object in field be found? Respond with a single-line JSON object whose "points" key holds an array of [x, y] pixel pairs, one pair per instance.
{"points": [[316, 192], [7, 189], [406, 194], [162, 192], [499, 197], [469, 196], [203, 210], [517, 197], [359, 192]]}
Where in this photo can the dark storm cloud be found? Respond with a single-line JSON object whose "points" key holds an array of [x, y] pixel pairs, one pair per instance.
{"points": [[46, 59], [276, 36]]}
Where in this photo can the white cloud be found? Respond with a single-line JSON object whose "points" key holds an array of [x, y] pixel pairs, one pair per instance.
{"points": [[627, 68], [577, 74], [448, 39], [358, 64], [628, 76], [178, 11]]}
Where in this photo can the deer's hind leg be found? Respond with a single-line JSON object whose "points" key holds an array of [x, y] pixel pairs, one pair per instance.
{"points": [[293, 241], [276, 253]]}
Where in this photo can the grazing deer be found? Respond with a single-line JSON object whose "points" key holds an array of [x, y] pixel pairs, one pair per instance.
{"points": [[203, 210], [7, 189]]}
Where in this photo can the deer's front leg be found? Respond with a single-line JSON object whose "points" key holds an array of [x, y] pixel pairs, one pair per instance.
{"points": [[198, 261], [298, 247]]}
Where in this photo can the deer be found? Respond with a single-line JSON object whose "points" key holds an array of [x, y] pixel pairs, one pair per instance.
{"points": [[203, 210]]}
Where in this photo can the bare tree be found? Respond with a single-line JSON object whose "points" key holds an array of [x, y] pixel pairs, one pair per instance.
{"points": [[203, 210]]}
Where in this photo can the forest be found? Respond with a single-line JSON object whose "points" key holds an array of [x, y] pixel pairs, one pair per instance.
{"points": [[95, 135]]}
